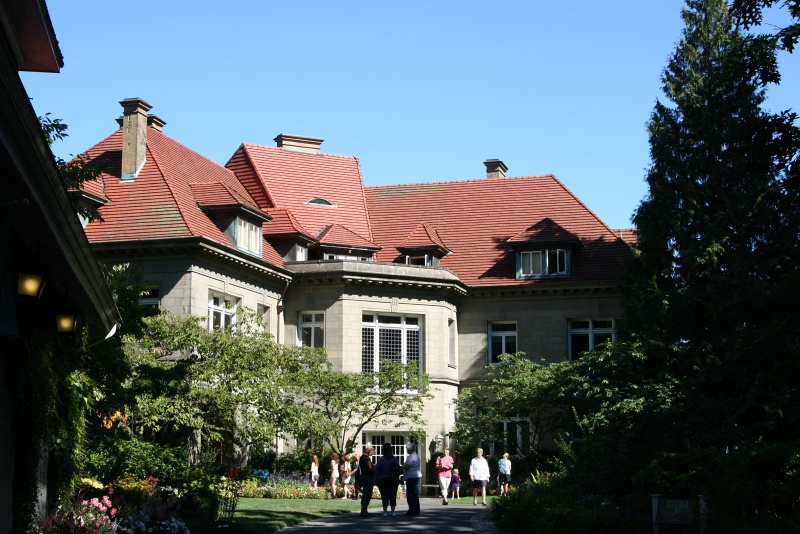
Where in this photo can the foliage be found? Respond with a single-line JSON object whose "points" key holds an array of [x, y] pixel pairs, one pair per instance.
{"points": [[75, 172], [339, 405], [93, 516], [232, 384], [750, 14], [541, 507], [228, 491]]}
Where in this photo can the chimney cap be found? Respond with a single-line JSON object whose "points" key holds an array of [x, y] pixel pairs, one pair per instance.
{"points": [[299, 143], [155, 122], [134, 104], [495, 168]]}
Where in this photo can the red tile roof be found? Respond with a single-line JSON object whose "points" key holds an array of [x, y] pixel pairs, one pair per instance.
{"points": [[542, 233], [341, 236], [160, 203], [476, 218], [284, 224], [423, 236], [281, 178]]}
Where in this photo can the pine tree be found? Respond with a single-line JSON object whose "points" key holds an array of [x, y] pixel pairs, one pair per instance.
{"points": [[717, 266]]}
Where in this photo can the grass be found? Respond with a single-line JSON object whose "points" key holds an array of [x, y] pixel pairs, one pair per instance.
{"points": [[257, 516]]}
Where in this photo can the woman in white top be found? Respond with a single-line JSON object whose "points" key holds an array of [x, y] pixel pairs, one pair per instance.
{"points": [[314, 471], [479, 475], [334, 473]]}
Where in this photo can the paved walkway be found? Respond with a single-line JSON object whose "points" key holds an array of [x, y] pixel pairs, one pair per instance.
{"points": [[458, 516]]}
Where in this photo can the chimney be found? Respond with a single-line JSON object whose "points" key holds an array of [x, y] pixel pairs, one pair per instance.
{"points": [[134, 136], [299, 143], [495, 168], [155, 122]]}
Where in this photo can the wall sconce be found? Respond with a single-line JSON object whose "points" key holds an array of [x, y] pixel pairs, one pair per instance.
{"points": [[439, 439], [65, 324], [30, 285]]}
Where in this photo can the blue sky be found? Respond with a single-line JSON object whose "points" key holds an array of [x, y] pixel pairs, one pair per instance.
{"points": [[419, 90]]}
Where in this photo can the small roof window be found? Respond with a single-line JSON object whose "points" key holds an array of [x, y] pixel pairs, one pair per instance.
{"points": [[319, 201]]}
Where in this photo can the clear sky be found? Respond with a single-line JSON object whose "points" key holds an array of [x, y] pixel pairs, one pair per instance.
{"points": [[418, 90]]}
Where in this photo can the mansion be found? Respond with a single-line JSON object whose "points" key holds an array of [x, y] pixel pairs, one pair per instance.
{"points": [[450, 274]]}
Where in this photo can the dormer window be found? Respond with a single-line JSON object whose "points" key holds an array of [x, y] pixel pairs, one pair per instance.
{"points": [[319, 201], [248, 236], [547, 262], [425, 260]]}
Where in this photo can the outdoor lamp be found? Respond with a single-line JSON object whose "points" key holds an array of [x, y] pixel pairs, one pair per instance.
{"points": [[30, 285], [65, 324]]}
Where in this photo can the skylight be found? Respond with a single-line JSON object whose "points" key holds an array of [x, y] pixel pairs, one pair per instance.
{"points": [[319, 201]]}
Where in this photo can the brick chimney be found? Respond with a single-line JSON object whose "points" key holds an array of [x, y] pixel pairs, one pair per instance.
{"points": [[134, 136], [155, 122], [495, 168], [299, 143]]}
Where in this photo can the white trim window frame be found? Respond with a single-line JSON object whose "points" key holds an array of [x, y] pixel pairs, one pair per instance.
{"points": [[543, 263], [311, 330], [394, 337], [221, 310], [502, 339], [398, 442], [586, 334], [248, 236]]}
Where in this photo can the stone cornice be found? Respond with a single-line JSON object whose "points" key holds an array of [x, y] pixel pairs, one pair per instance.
{"points": [[188, 246]]}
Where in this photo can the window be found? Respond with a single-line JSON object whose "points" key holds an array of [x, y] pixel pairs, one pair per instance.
{"points": [[329, 256], [263, 314], [221, 311], [549, 262], [502, 340], [389, 338], [398, 444], [424, 260], [312, 329], [586, 334], [150, 299], [248, 236], [512, 436], [319, 201], [452, 343]]}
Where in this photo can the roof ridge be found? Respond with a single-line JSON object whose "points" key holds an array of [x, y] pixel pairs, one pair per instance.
{"points": [[169, 188], [261, 182], [465, 180], [343, 156]]}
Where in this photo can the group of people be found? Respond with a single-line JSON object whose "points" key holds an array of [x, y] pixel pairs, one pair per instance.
{"points": [[385, 473], [340, 471]]}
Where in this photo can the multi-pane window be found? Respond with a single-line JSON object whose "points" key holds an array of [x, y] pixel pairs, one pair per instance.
{"points": [[398, 444], [513, 437], [248, 236], [502, 340], [263, 314], [549, 262], [452, 343], [221, 311], [424, 260], [586, 334], [150, 299], [389, 338], [312, 329]]}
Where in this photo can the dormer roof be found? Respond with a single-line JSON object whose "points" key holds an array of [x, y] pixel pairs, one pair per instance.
{"points": [[422, 238], [340, 236], [544, 233], [217, 196]]}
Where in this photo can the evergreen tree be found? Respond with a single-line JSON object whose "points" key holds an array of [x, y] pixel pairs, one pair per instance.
{"points": [[718, 257]]}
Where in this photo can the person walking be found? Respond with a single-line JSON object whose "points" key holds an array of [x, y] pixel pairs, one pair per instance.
{"points": [[387, 477], [479, 475], [345, 470], [412, 474], [366, 473], [314, 471], [334, 468], [455, 485], [444, 470], [504, 468]]}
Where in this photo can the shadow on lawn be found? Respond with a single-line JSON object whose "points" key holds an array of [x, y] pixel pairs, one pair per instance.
{"points": [[264, 521]]}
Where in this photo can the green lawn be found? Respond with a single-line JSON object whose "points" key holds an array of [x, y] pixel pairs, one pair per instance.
{"points": [[256, 516]]}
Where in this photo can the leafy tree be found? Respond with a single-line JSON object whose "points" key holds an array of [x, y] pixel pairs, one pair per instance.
{"points": [[718, 251], [750, 14], [234, 385], [75, 172], [339, 406]]}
